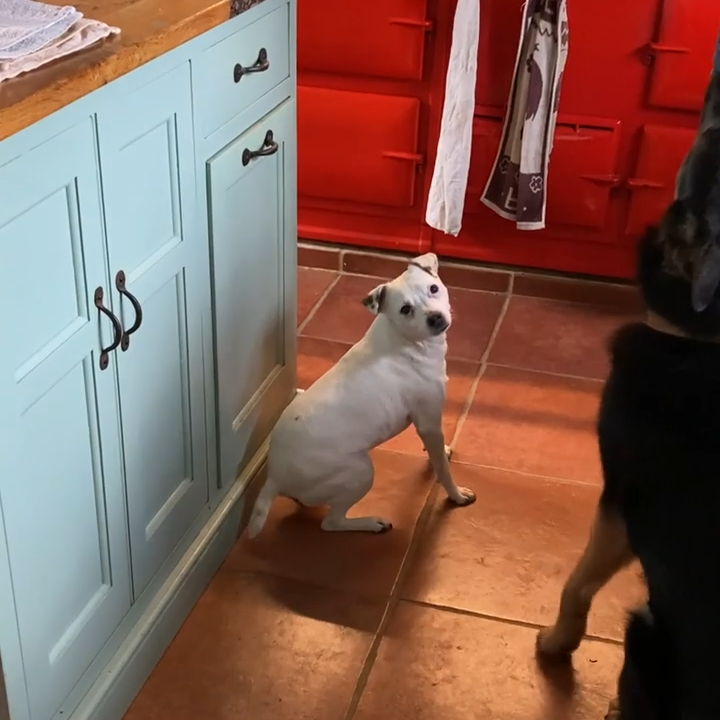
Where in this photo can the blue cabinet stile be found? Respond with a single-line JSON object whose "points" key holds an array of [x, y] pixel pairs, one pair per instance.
{"points": [[60, 468], [147, 347], [146, 150], [254, 270]]}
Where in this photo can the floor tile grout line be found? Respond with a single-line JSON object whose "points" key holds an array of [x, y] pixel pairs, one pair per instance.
{"points": [[510, 471], [319, 302], [452, 287], [550, 478], [481, 370], [567, 376], [505, 621], [418, 531], [465, 264], [608, 307]]}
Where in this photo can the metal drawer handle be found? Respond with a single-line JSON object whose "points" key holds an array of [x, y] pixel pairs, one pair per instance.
{"points": [[269, 147], [120, 280], [261, 65], [117, 329]]}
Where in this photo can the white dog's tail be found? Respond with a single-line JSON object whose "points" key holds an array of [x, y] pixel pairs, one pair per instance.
{"points": [[262, 508]]}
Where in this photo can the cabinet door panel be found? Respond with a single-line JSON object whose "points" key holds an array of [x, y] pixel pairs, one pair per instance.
{"points": [[582, 174], [60, 469], [335, 37], [652, 186], [580, 178], [253, 229], [146, 148], [683, 55], [347, 154]]}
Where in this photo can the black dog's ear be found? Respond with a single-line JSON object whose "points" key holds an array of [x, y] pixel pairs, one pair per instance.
{"points": [[706, 277], [375, 299]]}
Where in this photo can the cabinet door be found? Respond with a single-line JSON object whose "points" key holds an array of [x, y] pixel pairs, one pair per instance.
{"points": [[652, 186], [682, 57], [60, 466], [254, 247], [356, 146], [383, 39], [146, 150], [581, 175]]}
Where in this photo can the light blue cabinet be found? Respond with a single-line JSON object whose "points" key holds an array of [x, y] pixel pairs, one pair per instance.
{"points": [[61, 467], [147, 155], [147, 347], [253, 237]]}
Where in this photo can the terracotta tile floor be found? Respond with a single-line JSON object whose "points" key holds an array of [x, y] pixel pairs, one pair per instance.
{"points": [[436, 619]]}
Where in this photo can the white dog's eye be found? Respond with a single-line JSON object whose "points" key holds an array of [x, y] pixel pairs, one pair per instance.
{"points": [[433, 289], [406, 309]]}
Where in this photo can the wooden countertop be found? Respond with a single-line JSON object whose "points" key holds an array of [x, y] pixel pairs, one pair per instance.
{"points": [[149, 28]]}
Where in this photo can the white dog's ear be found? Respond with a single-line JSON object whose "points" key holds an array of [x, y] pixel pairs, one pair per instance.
{"points": [[427, 262], [375, 299]]}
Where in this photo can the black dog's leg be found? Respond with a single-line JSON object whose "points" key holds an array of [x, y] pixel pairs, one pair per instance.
{"points": [[645, 686], [606, 553]]}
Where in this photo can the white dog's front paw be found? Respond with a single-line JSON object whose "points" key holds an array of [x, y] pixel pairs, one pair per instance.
{"points": [[464, 496]]}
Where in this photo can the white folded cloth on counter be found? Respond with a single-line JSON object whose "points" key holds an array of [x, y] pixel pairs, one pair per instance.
{"points": [[80, 35], [33, 34], [446, 199], [26, 26]]}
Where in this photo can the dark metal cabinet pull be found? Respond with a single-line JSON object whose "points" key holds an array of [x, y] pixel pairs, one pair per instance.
{"points": [[120, 281], [269, 147], [261, 65], [117, 329]]}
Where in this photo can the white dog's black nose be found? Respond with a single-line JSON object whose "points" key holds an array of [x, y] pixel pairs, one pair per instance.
{"points": [[436, 321]]}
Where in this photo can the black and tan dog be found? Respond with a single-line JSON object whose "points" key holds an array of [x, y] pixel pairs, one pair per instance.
{"points": [[659, 436]]}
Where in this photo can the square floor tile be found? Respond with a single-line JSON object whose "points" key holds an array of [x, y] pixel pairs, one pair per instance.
{"points": [[556, 337], [261, 648], [534, 423], [433, 664], [293, 545], [475, 314], [312, 283], [508, 555], [315, 357], [461, 375], [342, 316]]}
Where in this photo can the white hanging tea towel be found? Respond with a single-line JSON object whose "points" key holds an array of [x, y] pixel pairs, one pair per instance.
{"points": [[446, 199], [27, 26]]}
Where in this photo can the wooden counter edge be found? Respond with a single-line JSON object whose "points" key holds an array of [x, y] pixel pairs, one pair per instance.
{"points": [[65, 90]]}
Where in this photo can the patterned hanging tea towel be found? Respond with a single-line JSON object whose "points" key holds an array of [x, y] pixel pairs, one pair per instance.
{"points": [[516, 188]]}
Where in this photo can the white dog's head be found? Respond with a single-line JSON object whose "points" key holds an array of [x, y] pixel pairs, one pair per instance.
{"points": [[416, 302]]}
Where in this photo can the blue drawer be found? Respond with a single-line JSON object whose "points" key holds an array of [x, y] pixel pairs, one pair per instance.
{"points": [[240, 69]]}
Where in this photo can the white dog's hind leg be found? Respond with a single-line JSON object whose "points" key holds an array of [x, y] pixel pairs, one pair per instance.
{"points": [[353, 484], [262, 508]]}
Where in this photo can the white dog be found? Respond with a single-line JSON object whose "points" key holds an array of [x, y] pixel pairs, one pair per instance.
{"points": [[395, 375]]}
